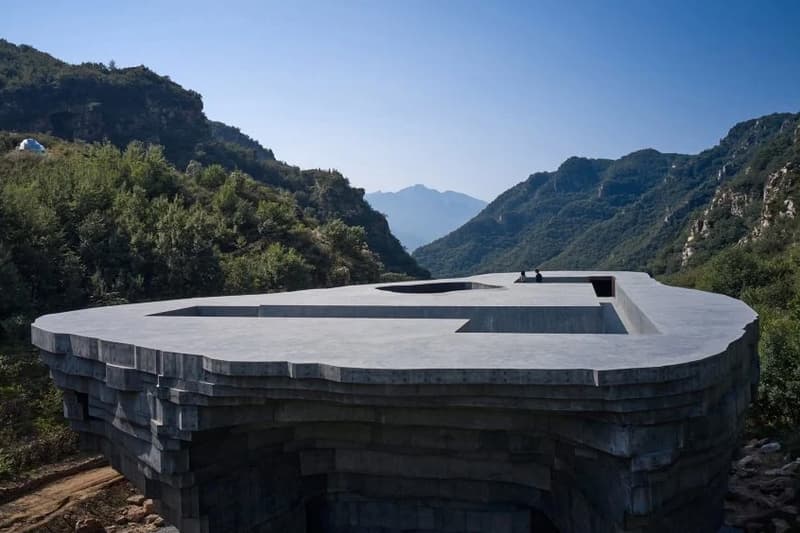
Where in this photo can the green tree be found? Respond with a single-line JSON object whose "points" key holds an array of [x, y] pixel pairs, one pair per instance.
{"points": [[185, 250], [779, 392]]}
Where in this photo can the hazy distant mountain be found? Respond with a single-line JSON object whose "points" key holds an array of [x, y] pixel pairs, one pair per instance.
{"points": [[418, 215]]}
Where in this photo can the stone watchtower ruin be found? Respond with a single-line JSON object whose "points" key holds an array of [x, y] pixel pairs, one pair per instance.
{"points": [[591, 402]]}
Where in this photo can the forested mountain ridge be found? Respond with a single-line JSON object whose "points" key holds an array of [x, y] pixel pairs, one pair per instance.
{"points": [[418, 215], [631, 213], [756, 206], [89, 224], [228, 134], [94, 102], [532, 221]]}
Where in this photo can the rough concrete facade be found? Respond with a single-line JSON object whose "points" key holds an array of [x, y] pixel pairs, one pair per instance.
{"points": [[594, 402]]}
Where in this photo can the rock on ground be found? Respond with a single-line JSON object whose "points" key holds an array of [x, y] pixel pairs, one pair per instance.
{"points": [[763, 491], [89, 525]]}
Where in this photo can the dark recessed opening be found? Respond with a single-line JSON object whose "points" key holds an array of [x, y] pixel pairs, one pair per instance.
{"points": [[431, 288], [83, 402], [603, 287], [541, 524], [590, 319]]}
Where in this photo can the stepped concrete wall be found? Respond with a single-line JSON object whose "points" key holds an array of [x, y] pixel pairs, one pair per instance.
{"points": [[481, 406]]}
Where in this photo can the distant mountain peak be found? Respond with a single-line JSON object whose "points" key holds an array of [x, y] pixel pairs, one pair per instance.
{"points": [[418, 214]]}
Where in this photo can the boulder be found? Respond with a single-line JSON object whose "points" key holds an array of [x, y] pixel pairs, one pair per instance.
{"points": [[155, 520], [748, 462], [791, 468], [770, 447], [89, 525], [136, 499], [780, 525], [136, 514]]}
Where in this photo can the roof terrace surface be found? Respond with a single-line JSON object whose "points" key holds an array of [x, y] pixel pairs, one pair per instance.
{"points": [[364, 334]]}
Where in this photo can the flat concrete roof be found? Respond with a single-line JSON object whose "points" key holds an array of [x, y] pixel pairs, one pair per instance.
{"points": [[681, 326]]}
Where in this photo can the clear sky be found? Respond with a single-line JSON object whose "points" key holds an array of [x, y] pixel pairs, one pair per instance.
{"points": [[462, 95]]}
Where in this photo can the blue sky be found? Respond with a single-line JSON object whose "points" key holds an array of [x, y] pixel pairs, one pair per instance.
{"points": [[462, 95]]}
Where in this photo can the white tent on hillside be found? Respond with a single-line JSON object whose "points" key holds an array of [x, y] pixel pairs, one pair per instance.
{"points": [[31, 145]]}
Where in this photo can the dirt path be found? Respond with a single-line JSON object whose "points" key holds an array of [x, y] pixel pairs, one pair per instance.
{"points": [[35, 509]]}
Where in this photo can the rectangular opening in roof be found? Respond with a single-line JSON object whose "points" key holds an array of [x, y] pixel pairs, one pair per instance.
{"points": [[604, 286], [589, 319]]}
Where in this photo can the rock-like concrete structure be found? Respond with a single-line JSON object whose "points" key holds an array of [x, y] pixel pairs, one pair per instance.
{"points": [[595, 402]]}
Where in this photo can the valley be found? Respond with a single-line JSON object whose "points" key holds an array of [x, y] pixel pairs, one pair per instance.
{"points": [[139, 196]]}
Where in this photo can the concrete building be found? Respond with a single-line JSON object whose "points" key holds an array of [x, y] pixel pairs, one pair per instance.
{"points": [[592, 402]]}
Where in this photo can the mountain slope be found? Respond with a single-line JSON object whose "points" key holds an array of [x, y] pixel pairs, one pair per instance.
{"points": [[755, 205], [90, 224], [418, 215], [93, 102], [623, 214], [228, 134]]}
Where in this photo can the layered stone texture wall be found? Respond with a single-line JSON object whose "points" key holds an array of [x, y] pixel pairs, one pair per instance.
{"points": [[263, 453], [270, 446]]}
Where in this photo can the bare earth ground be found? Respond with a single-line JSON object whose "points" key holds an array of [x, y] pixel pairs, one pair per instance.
{"points": [[95, 497], [85, 495]]}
